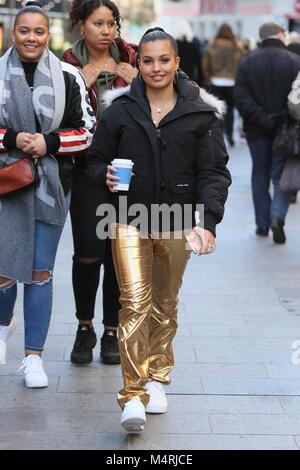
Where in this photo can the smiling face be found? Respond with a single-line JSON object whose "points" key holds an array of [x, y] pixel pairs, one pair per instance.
{"points": [[99, 29], [31, 36], [158, 63]]}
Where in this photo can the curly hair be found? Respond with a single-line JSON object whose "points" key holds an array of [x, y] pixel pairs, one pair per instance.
{"points": [[80, 10]]}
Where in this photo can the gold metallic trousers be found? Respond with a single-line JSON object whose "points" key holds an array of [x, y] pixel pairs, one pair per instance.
{"points": [[149, 273]]}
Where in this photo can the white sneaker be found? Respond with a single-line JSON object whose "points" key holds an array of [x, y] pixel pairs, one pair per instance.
{"points": [[35, 376], [158, 401], [5, 333], [133, 416]]}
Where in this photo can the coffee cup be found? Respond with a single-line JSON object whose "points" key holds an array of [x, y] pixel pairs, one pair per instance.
{"points": [[123, 171]]}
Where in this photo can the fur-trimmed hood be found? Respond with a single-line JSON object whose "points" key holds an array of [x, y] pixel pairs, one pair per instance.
{"points": [[219, 106]]}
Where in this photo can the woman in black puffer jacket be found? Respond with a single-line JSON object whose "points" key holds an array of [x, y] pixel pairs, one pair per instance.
{"points": [[175, 142]]}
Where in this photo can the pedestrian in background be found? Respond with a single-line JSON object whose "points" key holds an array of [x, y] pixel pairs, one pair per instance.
{"points": [[45, 115], [264, 80], [219, 64], [176, 144], [190, 59], [294, 46], [106, 62]]}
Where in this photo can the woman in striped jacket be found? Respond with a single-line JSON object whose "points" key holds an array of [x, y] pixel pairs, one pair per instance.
{"points": [[45, 114]]}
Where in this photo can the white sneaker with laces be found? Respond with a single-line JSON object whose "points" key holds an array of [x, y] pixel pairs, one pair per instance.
{"points": [[158, 401], [35, 376], [133, 416], [5, 333]]}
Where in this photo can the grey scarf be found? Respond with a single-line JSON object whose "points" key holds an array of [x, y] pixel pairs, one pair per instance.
{"points": [[19, 108]]}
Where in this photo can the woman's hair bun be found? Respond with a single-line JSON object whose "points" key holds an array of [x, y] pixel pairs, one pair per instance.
{"points": [[33, 4], [153, 30]]}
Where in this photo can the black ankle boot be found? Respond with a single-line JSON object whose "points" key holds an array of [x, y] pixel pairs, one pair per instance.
{"points": [[85, 341], [262, 231], [278, 232], [109, 353]]}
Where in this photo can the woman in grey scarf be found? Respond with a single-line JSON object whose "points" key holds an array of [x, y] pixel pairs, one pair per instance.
{"points": [[44, 115]]}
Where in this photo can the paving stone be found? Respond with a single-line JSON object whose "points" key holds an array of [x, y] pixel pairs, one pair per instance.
{"points": [[220, 370], [224, 404], [290, 405], [89, 384], [251, 386], [283, 371], [297, 439], [255, 424], [213, 442], [64, 441], [248, 355], [174, 423]]}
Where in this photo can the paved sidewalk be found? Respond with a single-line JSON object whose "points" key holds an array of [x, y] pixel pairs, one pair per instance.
{"points": [[234, 384]]}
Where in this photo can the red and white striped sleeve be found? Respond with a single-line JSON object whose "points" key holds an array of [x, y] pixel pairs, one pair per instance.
{"points": [[73, 141], [76, 138], [2, 134]]}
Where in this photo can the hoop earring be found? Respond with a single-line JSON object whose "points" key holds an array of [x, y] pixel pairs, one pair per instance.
{"points": [[176, 78], [82, 35]]}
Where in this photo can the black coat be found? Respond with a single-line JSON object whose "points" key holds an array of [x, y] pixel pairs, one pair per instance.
{"points": [[263, 82], [190, 60], [182, 161]]}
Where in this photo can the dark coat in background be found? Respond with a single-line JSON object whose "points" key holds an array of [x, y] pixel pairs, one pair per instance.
{"points": [[190, 60], [263, 82]]}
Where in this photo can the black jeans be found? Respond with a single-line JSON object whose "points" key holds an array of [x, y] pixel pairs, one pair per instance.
{"points": [[225, 93], [86, 197]]}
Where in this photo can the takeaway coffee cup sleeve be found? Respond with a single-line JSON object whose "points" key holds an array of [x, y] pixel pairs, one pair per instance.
{"points": [[123, 169]]}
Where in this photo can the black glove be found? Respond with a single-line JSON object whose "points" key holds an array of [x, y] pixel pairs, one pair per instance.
{"points": [[269, 125]]}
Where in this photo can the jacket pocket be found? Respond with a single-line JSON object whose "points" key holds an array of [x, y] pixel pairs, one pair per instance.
{"points": [[182, 185], [136, 182]]}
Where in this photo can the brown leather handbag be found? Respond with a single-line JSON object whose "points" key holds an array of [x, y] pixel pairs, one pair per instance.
{"points": [[19, 175]]}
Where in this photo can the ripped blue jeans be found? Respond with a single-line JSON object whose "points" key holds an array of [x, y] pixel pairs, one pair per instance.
{"points": [[38, 294]]}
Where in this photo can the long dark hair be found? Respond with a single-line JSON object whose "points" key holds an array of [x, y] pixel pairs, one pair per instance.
{"points": [[156, 34], [32, 7], [225, 32], [80, 10]]}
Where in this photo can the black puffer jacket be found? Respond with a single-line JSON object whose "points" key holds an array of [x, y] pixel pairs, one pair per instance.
{"points": [[263, 82], [182, 161]]}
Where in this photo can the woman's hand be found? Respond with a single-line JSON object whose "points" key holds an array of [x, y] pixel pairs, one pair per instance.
{"points": [[111, 180], [36, 147], [208, 240], [127, 72], [90, 73], [23, 140]]}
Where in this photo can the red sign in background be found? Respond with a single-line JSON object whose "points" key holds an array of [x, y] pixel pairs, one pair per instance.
{"points": [[297, 6]]}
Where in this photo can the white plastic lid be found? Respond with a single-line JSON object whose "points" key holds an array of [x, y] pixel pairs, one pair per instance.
{"points": [[122, 162]]}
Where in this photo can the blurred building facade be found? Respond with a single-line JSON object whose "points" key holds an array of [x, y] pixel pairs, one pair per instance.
{"points": [[244, 16], [137, 15], [200, 18]]}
